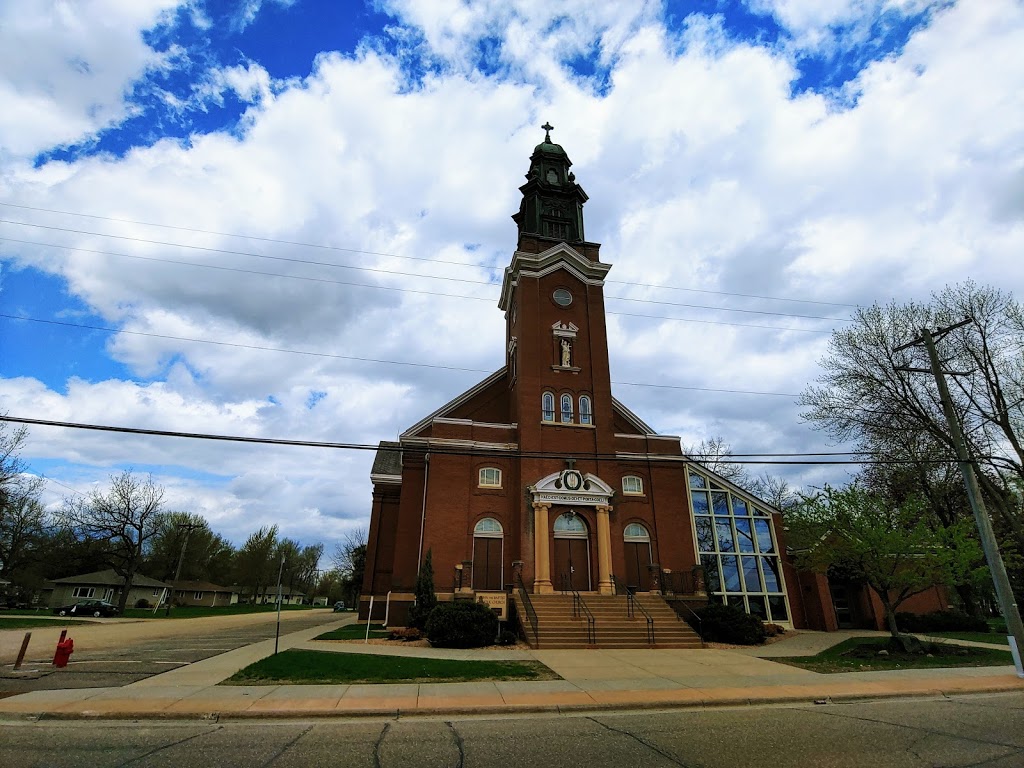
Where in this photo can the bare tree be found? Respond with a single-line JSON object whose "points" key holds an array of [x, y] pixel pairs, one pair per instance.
{"points": [[349, 559], [716, 454], [865, 396], [126, 517]]}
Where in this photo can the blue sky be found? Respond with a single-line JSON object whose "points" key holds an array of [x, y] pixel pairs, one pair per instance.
{"points": [[794, 150]]}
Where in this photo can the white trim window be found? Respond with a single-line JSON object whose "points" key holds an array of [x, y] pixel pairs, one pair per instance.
{"points": [[490, 477], [567, 409], [633, 485], [197, 595], [84, 592], [586, 411], [547, 406]]}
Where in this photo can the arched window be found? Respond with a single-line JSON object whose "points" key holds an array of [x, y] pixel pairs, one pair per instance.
{"points": [[566, 409], [633, 485], [487, 527], [636, 532], [488, 562], [570, 524], [586, 416], [547, 405], [490, 477]]}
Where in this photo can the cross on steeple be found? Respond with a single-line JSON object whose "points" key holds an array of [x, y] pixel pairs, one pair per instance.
{"points": [[570, 463], [548, 128]]}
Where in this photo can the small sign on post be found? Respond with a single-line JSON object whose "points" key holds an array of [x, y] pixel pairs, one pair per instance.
{"points": [[496, 601]]}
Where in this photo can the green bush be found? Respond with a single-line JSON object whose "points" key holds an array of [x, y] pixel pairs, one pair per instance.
{"points": [[721, 623], [461, 625], [940, 621], [507, 638], [426, 598]]}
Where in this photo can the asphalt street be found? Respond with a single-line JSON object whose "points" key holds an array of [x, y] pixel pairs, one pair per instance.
{"points": [[979, 730], [141, 658]]}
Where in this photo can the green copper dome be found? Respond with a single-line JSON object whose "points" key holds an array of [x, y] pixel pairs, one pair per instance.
{"points": [[552, 204]]}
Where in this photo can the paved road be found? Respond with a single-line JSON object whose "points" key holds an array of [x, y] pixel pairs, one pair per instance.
{"points": [[103, 663], [984, 730]]}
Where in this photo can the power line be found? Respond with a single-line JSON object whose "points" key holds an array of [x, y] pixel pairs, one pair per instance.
{"points": [[440, 450], [376, 270], [66, 324], [396, 288], [321, 246]]}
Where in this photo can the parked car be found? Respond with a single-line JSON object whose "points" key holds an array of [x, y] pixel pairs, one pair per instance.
{"points": [[95, 608], [339, 606]]}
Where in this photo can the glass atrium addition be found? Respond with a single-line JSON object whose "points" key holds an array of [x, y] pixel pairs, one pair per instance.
{"points": [[738, 550]]}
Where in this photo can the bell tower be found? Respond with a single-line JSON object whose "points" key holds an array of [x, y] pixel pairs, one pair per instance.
{"points": [[553, 298], [552, 205]]}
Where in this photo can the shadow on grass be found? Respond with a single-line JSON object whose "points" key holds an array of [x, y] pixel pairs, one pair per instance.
{"points": [[303, 667], [861, 654]]}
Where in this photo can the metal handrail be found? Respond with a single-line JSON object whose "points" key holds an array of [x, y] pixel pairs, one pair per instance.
{"points": [[700, 623], [580, 610], [531, 612], [632, 602]]}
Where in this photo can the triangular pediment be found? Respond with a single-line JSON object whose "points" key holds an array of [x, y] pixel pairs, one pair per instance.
{"points": [[561, 256], [554, 489]]}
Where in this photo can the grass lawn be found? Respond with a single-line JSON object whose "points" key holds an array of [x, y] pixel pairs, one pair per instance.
{"points": [[196, 611], [323, 667], [19, 622], [859, 654], [978, 637], [354, 632]]}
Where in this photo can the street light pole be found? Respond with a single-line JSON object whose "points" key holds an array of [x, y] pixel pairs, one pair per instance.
{"points": [[1004, 593]]}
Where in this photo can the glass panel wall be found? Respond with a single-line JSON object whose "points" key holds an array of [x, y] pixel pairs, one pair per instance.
{"points": [[738, 550]]}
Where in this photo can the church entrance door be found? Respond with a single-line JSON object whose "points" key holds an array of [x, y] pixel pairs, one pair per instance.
{"points": [[572, 553], [638, 557]]}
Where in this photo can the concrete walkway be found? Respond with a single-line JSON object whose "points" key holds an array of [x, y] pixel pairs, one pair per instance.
{"points": [[592, 679]]}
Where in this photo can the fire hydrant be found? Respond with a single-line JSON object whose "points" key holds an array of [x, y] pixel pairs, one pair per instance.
{"points": [[64, 650]]}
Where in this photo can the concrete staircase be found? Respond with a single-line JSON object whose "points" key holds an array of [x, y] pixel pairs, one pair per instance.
{"points": [[556, 627]]}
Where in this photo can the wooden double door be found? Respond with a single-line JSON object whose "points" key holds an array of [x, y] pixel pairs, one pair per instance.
{"points": [[638, 560], [572, 563]]}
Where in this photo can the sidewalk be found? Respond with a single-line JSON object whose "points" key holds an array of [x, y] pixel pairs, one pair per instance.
{"points": [[592, 680]]}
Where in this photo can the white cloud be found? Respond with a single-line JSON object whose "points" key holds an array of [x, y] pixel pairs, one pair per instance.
{"points": [[704, 172], [67, 66]]}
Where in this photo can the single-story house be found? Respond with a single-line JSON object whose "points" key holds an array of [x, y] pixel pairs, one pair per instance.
{"points": [[107, 585], [203, 593]]}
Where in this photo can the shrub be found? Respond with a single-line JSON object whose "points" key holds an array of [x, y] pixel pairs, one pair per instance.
{"points": [[507, 638], [940, 621], [728, 624], [426, 598], [771, 630], [142, 603], [461, 625]]}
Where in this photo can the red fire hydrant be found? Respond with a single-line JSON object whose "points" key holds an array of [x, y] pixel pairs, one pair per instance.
{"points": [[64, 650]]}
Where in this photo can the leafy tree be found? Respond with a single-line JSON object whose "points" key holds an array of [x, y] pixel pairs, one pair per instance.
{"points": [[426, 598], [125, 519], [207, 555], [254, 563], [888, 545]]}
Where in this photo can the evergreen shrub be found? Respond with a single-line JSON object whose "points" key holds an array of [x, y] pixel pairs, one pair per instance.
{"points": [[721, 623], [461, 625]]}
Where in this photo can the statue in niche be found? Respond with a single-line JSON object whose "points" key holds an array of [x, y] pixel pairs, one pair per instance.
{"points": [[566, 353]]}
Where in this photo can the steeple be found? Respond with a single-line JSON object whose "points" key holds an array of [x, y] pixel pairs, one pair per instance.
{"points": [[552, 205]]}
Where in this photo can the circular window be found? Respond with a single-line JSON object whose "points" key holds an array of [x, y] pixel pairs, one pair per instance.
{"points": [[562, 297]]}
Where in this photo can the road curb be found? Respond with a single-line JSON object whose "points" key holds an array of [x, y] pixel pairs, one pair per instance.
{"points": [[485, 710]]}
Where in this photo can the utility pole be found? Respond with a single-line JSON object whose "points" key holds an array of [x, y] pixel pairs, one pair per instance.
{"points": [[1004, 593], [189, 527], [277, 635]]}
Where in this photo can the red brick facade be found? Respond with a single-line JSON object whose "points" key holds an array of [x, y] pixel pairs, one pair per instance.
{"points": [[428, 494]]}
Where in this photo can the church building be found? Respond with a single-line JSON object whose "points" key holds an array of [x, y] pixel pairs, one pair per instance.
{"points": [[539, 481]]}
